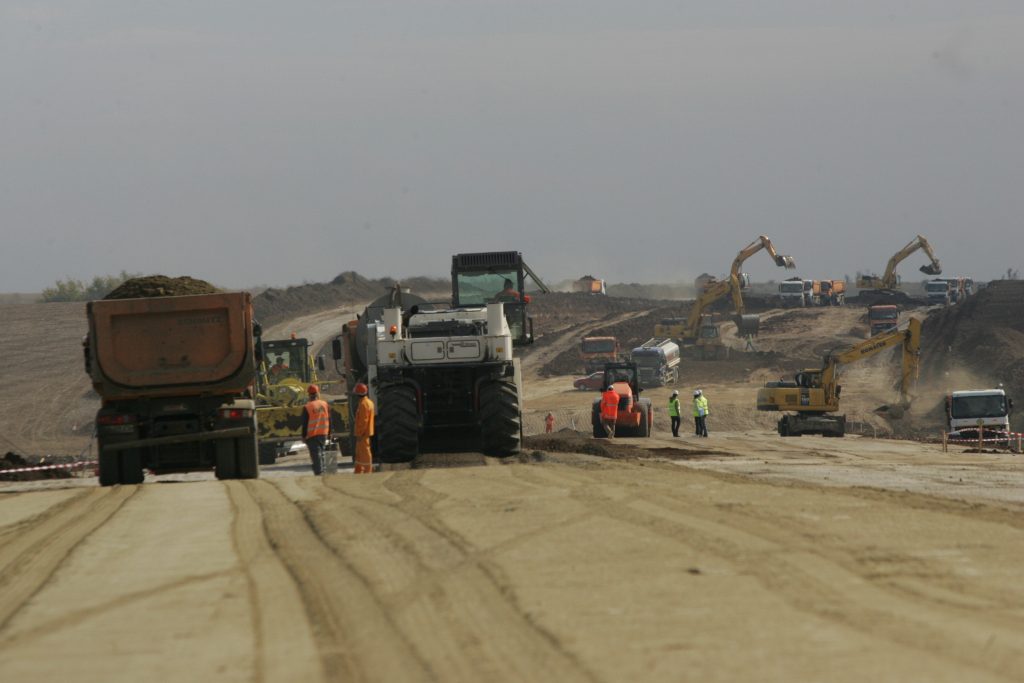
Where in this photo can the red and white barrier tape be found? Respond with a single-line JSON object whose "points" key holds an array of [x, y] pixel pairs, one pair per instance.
{"points": [[39, 468]]}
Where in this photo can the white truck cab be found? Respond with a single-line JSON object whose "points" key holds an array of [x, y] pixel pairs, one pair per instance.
{"points": [[969, 411]]}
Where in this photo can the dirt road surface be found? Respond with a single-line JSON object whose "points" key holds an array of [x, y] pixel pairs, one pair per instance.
{"points": [[739, 557]]}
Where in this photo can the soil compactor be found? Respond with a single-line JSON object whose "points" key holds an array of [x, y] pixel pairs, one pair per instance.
{"points": [[444, 375], [636, 415], [814, 395]]}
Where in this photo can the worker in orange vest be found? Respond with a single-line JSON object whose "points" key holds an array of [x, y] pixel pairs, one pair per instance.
{"points": [[609, 409], [316, 427], [549, 423], [363, 430]]}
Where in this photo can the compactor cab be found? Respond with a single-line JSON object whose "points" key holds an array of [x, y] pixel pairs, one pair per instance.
{"points": [[636, 415], [496, 277]]}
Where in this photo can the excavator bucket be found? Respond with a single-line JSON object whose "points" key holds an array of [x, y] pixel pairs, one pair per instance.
{"points": [[930, 269], [785, 261], [748, 325], [893, 412]]}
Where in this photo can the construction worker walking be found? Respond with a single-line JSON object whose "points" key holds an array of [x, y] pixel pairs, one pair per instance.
{"points": [[609, 410], [363, 429], [316, 427], [675, 412], [700, 412]]}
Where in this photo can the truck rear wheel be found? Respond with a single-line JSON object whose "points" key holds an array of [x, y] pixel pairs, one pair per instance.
{"points": [[500, 419], [398, 429], [131, 467], [247, 458], [110, 469], [268, 453], [225, 462]]}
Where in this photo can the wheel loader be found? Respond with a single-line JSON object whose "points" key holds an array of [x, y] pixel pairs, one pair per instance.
{"points": [[287, 370]]}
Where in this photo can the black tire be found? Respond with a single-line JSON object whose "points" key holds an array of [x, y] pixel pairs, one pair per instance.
{"points": [[131, 467], [500, 419], [398, 425], [783, 427], [247, 458], [645, 414], [110, 469], [595, 420], [225, 459], [268, 453]]}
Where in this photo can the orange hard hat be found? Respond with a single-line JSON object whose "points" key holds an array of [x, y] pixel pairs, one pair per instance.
{"points": [[361, 390], [313, 389]]}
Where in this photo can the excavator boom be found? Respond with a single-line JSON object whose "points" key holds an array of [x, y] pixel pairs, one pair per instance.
{"points": [[889, 279]]}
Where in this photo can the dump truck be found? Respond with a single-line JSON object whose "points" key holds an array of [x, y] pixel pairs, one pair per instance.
{"points": [[882, 318], [589, 285], [811, 400], [791, 293], [445, 372], [285, 373], [829, 292], [657, 361], [636, 414], [596, 351], [175, 376], [984, 410], [938, 292]]}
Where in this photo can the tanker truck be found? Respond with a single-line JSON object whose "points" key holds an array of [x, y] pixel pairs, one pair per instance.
{"points": [[175, 376], [657, 362]]}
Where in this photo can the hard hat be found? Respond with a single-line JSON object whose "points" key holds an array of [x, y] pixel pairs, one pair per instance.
{"points": [[675, 393], [697, 392], [610, 388], [361, 390], [313, 389]]}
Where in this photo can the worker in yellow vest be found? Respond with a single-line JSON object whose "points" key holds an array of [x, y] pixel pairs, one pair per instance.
{"points": [[700, 412]]}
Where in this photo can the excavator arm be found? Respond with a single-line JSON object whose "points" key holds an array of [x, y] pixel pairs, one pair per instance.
{"points": [[716, 291], [919, 242], [757, 245], [909, 338]]}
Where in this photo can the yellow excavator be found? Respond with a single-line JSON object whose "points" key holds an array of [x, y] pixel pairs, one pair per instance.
{"points": [[699, 327], [889, 280], [814, 395]]}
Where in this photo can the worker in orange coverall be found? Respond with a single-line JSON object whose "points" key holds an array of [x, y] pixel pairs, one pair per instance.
{"points": [[363, 430]]}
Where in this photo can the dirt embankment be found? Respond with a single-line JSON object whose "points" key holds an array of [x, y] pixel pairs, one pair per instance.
{"points": [[277, 305]]}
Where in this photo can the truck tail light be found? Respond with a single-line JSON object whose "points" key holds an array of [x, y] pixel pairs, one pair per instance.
{"points": [[117, 419], [235, 413]]}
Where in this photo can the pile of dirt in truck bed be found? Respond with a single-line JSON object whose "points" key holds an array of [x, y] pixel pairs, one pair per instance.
{"points": [[274, 305], [160, 285]]}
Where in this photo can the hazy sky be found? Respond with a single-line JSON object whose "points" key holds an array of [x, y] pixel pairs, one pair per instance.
{"points": [[264, 142]]}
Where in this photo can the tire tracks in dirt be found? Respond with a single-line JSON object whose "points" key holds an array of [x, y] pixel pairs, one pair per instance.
{"points": [[487, 633], [811, 572], [29, 558]]}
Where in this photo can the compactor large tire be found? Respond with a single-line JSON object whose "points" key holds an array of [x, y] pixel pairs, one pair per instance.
{"points": [[595, 420], [645, 415], [398, 426], [500, 419]]}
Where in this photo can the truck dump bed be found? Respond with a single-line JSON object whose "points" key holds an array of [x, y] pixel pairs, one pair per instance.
{"points": [[171, 346]]}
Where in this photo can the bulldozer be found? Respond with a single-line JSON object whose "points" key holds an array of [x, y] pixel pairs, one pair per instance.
{"points": [[697, 330], [812, 399], [890, 281], [286, 371], [636, 415]]}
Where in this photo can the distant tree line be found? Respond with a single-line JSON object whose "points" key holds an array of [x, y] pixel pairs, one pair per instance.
{"points": [[76, 290]]}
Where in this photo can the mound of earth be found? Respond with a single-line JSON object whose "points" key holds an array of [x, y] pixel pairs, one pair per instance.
{"points": [[160, 285], [275, 305]]}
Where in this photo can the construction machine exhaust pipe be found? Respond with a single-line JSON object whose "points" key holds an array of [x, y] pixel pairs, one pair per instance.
{"points": [[747, 325]]}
